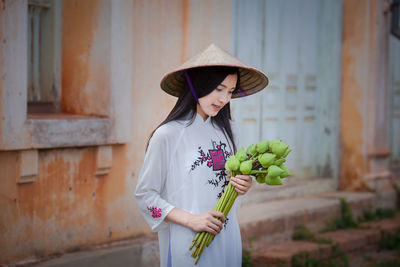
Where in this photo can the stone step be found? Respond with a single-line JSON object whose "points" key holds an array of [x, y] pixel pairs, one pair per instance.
{"points": [[361, 241], [273, 222]]}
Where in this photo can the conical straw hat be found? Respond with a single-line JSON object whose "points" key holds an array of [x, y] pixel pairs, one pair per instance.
{"points": [[251, 79]]}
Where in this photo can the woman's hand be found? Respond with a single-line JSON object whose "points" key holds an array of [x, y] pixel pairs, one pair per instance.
{"points": [[207, 222], [203, 222], [242, 183]]}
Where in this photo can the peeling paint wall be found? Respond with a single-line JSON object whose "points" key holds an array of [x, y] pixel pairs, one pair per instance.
{"points": [[68, 206], [363, 120], [86, 57]]}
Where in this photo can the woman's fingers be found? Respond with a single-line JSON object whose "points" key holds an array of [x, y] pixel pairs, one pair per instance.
{"points": [[218, 223], [242, 183], [243, 178], [214, 225], [218, 214], [211, 231]]}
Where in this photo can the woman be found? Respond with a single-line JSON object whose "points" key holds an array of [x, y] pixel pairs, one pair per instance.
{"points": [[183, 172]]}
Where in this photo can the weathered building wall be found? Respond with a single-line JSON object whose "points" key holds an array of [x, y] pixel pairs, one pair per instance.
{"points": [[66, 207], [114, 56], [80, 195], [86, 57], [364, 157]]}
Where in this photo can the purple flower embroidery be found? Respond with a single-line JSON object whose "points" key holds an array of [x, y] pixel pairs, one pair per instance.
{"points": [[215, 159], [155, 212]]}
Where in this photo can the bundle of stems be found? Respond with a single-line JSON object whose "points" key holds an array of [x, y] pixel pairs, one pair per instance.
{"points": [[224, 205]]}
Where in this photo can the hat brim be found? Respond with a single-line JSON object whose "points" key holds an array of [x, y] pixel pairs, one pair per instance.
{"points": [[251, 80]]}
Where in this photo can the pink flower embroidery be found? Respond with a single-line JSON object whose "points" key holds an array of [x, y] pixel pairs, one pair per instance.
{"points": [[155, 212], [209, 164]]}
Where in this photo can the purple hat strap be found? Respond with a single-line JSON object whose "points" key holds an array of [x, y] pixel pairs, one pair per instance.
{"points": [[191, 87], [242, 92]]}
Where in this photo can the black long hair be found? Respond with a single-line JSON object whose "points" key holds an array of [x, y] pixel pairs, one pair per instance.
{"points": [[204, 80]]}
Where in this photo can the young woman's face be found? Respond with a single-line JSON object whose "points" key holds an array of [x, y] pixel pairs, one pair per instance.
{"points": [[212, 103]]}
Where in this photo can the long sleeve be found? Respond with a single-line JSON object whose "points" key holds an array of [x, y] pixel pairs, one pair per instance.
{"points": [[150, 188]]}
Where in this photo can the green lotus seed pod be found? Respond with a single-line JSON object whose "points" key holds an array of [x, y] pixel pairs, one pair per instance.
{"points": [[279, 149], [251, 150], [245, 166], [241, 155], [286, 152], [286, 172], [279, 161], [273, 180], [260, 178], [232, 164], [266, 159], [274, 171], [262, 147], [274, 142]]}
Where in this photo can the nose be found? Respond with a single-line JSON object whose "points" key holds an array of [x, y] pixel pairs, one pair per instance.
{"points": [[224, 98]]}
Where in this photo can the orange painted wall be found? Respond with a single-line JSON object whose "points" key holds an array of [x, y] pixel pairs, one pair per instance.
{"points": [[353, 82], [363, 118], [86, 57], [68, 207]]}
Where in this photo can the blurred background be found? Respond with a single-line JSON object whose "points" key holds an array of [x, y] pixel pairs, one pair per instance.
{"points": [[80, 94]]}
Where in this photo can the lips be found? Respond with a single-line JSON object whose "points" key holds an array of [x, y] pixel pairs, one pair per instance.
{"points": [[216, 108]]}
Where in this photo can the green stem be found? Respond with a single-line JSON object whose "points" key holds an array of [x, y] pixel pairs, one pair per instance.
{"points": [[201, 247], [220, 202], [254, 155], [228, 195], [193, 243], [200, 239], [209, 238], [230, 202], [257, 172]]}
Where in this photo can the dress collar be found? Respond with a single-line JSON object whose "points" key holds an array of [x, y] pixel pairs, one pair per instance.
{"points": [[199, 119]]}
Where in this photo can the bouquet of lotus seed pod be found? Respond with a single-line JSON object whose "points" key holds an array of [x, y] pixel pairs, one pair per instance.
{"points": [[263, 160]]}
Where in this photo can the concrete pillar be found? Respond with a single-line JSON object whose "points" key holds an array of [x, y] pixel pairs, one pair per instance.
{"points": [[364, 124]]}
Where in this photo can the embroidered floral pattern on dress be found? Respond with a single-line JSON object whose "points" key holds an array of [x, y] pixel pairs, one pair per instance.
{"points": [[155, 212], [215, 159]]}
